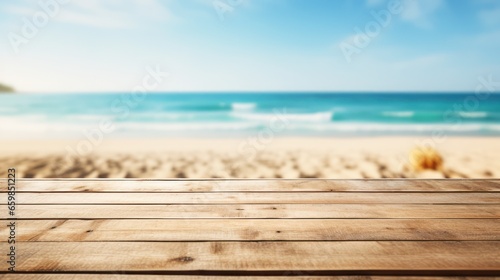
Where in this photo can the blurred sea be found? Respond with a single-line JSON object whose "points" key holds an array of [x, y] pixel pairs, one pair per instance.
{"points": [[228, 115]]}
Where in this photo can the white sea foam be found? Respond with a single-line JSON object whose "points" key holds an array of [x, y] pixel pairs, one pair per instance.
{"points": [[395, 128], [473, 115], [83, 117], [7, 110], [399, 114], [166, 115], [191, 126], [312, 117], [32, 127], [243, 106]]}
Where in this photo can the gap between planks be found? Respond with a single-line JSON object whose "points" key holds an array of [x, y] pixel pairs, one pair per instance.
{"points": [[262, 211], [260, 186], [297, 275], [257, 198], [454, 256]]}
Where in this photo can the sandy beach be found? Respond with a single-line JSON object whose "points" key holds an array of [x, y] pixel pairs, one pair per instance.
{"points": [[371, 157]]}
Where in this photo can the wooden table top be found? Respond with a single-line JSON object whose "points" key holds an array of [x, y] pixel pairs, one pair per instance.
{"points": [[253, 229]]}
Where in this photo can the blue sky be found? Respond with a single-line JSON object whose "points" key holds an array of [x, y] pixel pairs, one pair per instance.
{"points": [[251, 45]]}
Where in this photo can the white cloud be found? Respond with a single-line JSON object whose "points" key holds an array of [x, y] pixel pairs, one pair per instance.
{"points": [[102, 13], [419, 12]]}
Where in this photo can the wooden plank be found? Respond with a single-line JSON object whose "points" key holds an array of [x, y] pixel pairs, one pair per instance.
{"points": [[456, 256], [257, 211], [411, 241], [256, 198], [295, 274], [19, 276], [262, 186], [262, 230]]}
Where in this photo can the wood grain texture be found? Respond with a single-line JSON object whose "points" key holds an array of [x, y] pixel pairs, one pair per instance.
{"points": [[316, 185], [213, 229], [297, 275], [259, 256], [257, 230], [261, 211], [257, 198]]}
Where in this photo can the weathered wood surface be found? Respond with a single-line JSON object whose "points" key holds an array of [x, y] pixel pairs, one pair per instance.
{"points": [[316, 229], [297, 275], [262, 230], [314, 185], [261, 211], [261, 256], [257, 198]]}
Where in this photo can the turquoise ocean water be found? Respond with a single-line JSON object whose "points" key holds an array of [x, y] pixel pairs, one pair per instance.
{"points": [[227, 115]]}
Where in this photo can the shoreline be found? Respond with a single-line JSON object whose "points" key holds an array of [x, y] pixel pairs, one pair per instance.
{"points": [[309, 157], [114, 144]]}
